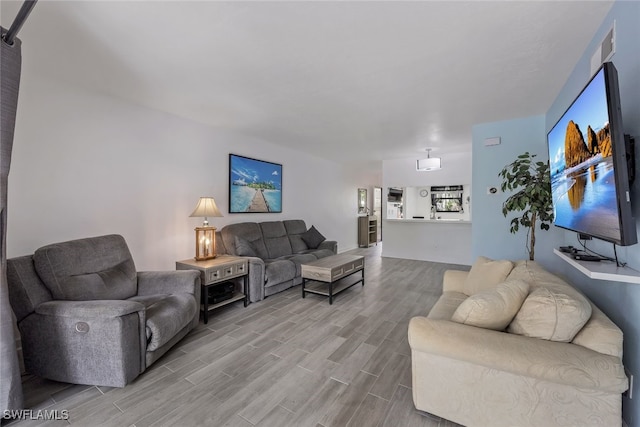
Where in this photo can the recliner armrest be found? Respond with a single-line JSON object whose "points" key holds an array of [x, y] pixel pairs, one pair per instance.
{"points": [[89, 309], [98, 342], [168, 282]]}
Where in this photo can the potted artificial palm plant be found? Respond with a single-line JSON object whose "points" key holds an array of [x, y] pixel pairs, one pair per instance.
{"points": [[532, 183]]}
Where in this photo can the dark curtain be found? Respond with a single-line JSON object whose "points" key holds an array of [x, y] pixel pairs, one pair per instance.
{"points": [[10, 385]]}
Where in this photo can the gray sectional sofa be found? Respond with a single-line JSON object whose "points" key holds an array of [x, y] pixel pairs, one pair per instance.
{"points": [[275, 249]]}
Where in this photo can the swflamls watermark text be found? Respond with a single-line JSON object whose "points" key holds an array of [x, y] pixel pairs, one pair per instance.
{"points": [[35, 414]]}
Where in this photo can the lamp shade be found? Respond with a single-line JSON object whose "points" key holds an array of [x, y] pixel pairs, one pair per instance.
{"points": [[205, 208], [429, 164]]}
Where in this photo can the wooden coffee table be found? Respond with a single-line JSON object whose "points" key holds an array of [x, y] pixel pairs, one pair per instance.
{"points": [[329, 270]]}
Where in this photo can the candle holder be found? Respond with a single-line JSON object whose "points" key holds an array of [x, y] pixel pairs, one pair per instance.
{"points": [[205, 243]]}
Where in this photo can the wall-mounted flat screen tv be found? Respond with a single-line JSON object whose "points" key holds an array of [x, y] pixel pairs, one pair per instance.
{"points": [[588, 166]]}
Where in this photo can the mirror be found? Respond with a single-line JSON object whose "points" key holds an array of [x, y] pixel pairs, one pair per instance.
{"points": [[362, 201]]}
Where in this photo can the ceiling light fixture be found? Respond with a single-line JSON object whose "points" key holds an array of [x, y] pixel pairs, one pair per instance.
{"points": [[430, 163]]}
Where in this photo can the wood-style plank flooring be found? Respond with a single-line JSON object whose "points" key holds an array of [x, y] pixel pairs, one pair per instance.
{"points": [[284, 361]]}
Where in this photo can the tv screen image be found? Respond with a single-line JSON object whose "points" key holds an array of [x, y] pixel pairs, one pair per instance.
{"points": [[589, 183]]}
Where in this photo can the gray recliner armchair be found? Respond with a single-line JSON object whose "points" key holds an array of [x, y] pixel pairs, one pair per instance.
{"points": [[87, 317]]}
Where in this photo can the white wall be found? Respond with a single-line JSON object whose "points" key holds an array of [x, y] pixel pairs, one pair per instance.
{"points": [[86, 164]]}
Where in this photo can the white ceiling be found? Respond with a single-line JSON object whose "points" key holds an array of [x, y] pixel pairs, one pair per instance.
{"points": [[347, 81]]}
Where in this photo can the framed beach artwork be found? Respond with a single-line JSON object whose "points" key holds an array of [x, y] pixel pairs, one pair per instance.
{"points": [[255, 186]]}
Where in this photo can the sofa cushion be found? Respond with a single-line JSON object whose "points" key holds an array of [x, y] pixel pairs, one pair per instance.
{"points": [[244, 247], [167, 316], [295, 227], [95, 268], [250, 231], [493, 308], [322, 253], [275, 239], [551, 314], [299, 259], [534, 274], [297, 244], [486, 273], [26, 290], [278, 270], [446, 305], [278, 246], [148, 300], [600, 334], [312, 237], [221, 249]]}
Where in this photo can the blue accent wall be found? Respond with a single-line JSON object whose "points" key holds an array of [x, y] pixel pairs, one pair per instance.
{"points": [[490, 232], [491, 237], [621, 301]]}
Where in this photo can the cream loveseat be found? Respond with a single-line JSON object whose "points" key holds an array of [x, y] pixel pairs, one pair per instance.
{"points": [[540, 353]]}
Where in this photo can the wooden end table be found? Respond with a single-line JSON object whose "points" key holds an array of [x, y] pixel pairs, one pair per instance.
{"points": [[216, 271]]}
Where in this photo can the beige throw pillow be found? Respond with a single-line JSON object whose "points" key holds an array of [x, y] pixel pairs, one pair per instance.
{"points": [[551, 315], [493, 308], [485, 274]]}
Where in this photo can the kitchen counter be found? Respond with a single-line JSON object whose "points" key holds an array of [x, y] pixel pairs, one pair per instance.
{"points": [[442, 220], [437, 240]]}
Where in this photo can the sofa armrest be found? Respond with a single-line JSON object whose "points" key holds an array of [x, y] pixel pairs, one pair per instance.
{"points": [[453, 280], [557, 362], [168, 282], [256, 278], [332, 245], [89, 309]]}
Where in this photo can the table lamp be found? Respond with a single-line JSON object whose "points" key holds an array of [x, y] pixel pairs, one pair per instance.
{"points": [[205, 235]]}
